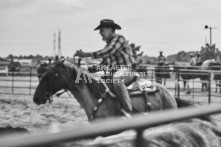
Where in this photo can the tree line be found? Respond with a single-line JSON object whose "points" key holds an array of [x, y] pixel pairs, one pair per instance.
{"points": [[207, 52], [35, 57]]}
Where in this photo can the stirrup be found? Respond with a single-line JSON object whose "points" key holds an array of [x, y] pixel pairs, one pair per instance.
{"points": [[125, 113]]}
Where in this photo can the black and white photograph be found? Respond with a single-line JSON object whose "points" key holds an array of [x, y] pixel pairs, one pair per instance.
{"points": [[120, 73]]}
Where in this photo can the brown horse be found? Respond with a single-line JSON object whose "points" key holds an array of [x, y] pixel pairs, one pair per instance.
{"points": [[91, 95]]}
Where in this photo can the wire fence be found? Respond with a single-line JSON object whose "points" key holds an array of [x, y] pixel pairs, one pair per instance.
{"points": [[19, 83], [25, 83]]}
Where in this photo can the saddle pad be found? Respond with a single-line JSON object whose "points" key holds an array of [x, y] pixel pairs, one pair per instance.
{"points": [[139, 92], [140, 84], [126, 75]]}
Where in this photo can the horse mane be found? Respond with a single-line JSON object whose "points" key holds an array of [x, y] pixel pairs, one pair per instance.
{"points": [[94, 85]]}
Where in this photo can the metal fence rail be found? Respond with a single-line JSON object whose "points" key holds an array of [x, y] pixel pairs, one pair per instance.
{"points": [[110, 126], [209, 81], [19, 83], [24, 83]]}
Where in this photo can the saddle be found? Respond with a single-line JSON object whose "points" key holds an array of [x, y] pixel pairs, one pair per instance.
{"points": [[135, 85], [133, 82]]}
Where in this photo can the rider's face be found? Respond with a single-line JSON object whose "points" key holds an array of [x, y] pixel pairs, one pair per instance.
{"points": [[106, 33]]}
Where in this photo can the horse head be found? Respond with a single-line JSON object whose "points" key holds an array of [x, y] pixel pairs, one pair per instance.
{"points": [[53, 80]]}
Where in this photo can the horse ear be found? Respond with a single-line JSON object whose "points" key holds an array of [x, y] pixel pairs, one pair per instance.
{"points": [[62, 60]]}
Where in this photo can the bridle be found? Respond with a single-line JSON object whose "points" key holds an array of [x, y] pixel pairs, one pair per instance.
{"points": [[49, 97]]}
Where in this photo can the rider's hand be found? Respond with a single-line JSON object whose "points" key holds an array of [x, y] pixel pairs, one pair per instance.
{"points": [[80, 53]]}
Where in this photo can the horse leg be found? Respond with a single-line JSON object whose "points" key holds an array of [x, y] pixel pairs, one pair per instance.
{"points": [[188, 85], [204, 85], [207, 87], [184, 85], [160, 80], [165, 82], [216, 86]]}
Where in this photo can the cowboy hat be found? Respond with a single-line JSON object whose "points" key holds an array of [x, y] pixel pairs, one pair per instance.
{"points": [[108, 23]]}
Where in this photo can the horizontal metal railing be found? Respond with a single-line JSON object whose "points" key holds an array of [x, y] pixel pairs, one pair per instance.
{"points": [[109, 126], [32, 81]]}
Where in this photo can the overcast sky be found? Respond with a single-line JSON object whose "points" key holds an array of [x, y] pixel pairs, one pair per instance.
{"points": [[27, 26]]}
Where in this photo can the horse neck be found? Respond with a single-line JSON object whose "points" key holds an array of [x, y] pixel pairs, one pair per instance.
{"points": [[83, 93]]}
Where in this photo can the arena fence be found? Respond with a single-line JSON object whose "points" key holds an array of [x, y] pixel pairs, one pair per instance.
{"points": [[25, 83], [174, 83], [109, 126], [19, 83], [196, 89]]}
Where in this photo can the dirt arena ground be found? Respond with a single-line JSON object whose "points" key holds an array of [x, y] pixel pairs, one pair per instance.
{"points": [[20, 111]]}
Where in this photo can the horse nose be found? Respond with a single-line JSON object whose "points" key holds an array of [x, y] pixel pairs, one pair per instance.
{"points": [[47, 95], [35, 99]]}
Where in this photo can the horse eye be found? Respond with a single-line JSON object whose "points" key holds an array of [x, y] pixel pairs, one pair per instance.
{"points": [[56, 75]]}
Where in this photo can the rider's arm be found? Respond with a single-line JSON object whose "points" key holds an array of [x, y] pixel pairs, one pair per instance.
{"points": [[114, 46]]}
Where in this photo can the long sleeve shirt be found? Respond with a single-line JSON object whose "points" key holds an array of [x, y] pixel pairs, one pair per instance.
{"points": [[192, 61], [116, 52]]}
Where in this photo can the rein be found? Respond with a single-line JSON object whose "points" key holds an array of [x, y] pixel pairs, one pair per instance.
{"points": [[49, 97]]}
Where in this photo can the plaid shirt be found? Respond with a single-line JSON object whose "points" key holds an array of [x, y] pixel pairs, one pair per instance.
{"points": [[116, 52]]}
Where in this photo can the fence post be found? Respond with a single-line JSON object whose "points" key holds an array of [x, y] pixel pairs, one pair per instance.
{"points": [[12, 82], [30, 74], [178, 85], [139, 139], [193, 89], [152, 75], [175, 84], [209, 86]]}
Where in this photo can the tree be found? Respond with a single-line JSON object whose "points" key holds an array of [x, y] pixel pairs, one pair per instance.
{"points": [[209, 52], [135, 49], [10, 56]]}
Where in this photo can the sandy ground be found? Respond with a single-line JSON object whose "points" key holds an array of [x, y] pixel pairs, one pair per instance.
{"points": [[20, 111]]}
